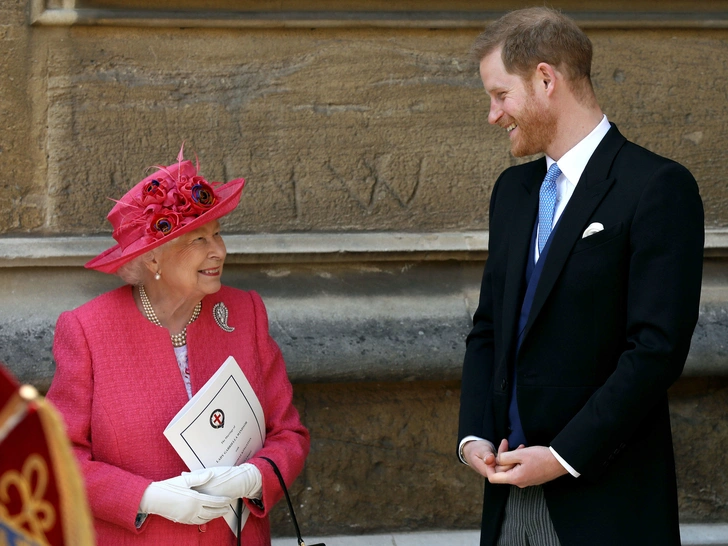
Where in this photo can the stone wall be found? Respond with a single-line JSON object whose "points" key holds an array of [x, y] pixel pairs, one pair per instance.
{"points": [[353, 138], [382, 457], [335, 129]]}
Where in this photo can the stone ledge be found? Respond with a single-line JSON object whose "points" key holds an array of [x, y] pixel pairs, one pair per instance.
{"points": [[713, 534], [331, 325], [261, 248], [343, 307]]}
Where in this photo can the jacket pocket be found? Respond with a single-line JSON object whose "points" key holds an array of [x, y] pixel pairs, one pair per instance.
{"points": [[598, 238]]}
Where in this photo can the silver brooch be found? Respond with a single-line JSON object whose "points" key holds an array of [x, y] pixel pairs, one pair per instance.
{"points": [[220, 312]]}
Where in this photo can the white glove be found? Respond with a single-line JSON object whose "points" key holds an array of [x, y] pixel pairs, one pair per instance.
{"points": [[242, 481], [175, 500]]}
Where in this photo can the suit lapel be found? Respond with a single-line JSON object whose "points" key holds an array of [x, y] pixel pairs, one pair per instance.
{"points": [[519, 249], [590, 190]]}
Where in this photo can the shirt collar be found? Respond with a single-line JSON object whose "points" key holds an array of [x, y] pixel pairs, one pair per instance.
{"points": [[573, 162]]}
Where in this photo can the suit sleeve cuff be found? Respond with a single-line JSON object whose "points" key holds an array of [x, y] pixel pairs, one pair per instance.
{"points": [[566, 465], [462, 445]]}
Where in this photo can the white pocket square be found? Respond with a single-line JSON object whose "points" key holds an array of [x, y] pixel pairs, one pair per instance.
{"points": [[593, 228]]}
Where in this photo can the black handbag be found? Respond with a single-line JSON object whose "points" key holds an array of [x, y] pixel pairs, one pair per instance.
{"points": [[290, 506]]}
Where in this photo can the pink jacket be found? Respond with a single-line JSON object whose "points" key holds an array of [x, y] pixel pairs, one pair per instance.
{"points": [[117, 385]]}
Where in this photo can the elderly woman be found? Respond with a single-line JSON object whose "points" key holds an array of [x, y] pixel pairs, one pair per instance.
{"points": [[128, 360]]}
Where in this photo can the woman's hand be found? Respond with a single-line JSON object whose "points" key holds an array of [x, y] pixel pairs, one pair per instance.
{"points": [[242, 481], [175, 500]]}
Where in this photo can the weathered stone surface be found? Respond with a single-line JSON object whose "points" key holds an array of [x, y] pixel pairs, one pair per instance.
{"points": [[324, 137], [376, 321], [334, 129], [26, 347], [383, 457], [22, 207], [662, 96], [700, 435], [709, 345], [340, 130], [376, 444]]}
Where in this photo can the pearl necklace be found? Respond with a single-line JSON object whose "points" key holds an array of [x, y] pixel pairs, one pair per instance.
{"points": [[178, 340]]}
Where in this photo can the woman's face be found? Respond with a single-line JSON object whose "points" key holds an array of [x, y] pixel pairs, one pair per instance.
{"points": [[191, 265]]}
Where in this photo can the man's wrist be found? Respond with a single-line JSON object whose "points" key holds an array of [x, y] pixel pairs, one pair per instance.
{"points": [[461, 453], [467, 440]]}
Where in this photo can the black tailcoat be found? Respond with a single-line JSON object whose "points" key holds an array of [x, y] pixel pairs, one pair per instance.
{"points": [[608, 332]]}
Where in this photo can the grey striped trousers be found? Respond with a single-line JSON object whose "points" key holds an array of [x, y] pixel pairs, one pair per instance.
{"points": [[526, 521]]}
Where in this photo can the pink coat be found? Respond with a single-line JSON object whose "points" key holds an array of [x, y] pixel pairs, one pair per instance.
{"points": [[117, 385]]}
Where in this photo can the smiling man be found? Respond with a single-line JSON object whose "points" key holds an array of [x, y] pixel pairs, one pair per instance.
{"points": [[588, 302]]}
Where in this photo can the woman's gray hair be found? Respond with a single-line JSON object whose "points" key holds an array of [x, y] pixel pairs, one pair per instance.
{"points": [[133, 272]]}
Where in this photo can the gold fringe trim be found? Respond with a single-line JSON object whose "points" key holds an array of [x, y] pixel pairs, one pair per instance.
{"points": [[76, 517]]}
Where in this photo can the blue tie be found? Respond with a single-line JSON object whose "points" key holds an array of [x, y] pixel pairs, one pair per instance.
{"points": [[547, 205]]}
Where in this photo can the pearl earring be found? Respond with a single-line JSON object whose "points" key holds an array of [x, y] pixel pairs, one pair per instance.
{"points": [[157, 276]]}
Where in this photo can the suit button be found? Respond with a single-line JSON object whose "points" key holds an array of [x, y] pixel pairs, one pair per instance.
{"points": [[504, 385], [202, 528]]}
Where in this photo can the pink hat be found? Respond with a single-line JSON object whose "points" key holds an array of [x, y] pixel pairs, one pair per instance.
{"points": [[172, 201]]}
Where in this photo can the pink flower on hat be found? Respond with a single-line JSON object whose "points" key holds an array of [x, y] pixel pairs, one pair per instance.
{"points": [[194, 195], [164, 222], [173, 200], [153, 192], [165, 203]]}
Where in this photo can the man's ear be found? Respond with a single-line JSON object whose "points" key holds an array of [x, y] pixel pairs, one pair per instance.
{"points": [[546, 78]]}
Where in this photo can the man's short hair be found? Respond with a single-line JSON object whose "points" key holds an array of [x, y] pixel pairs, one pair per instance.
{"points": [[535, 35]]}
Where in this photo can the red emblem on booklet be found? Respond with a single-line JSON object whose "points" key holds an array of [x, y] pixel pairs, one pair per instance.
{"points": [[217, 419]]}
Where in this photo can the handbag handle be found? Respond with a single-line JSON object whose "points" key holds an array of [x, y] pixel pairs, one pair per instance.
{"points": [[288, 500]]}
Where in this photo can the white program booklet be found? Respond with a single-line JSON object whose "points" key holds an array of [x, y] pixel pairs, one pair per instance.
{"points": [[221, 425]]}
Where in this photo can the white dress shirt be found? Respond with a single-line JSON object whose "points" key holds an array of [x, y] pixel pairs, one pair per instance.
{"points": [[572, 165]]}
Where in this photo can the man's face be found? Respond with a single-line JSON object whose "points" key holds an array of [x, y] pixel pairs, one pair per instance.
{"points": [[518, 107]]}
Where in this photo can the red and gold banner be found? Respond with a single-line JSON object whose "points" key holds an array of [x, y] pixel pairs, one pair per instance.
{"points": [[42, 499]]}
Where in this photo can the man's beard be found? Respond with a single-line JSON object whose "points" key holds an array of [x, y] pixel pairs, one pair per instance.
{"points": [[536, 128]]}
